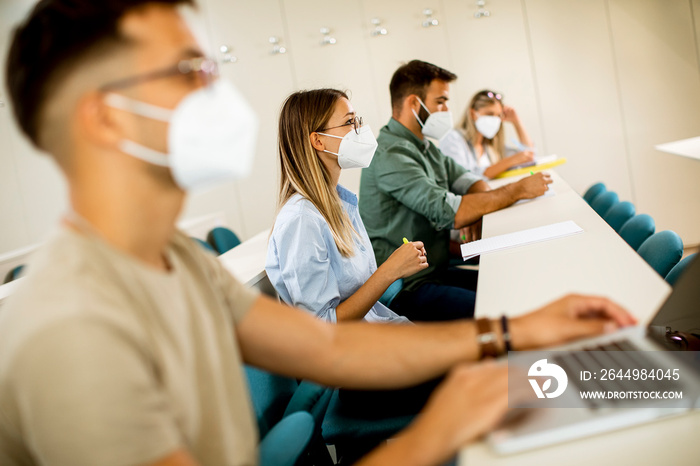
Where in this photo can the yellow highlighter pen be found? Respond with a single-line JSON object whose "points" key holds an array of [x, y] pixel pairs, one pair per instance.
{"points": [[405, 241]]}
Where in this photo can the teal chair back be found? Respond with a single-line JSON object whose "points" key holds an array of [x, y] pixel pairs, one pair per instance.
{"points": [[662, 251], [604, 202], [619, 214], [222, 239], [270, 394], [287, 443], [13, 274], [391, 292], [678, 269], [283, 408], [637, 229], [592, 192], [204, 244]]}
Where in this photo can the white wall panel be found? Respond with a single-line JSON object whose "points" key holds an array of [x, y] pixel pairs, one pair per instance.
{"points": [[344, 65], [576, 81], [657, 59], [32, 191], [406, 40], [265, 80], [492, 53]]}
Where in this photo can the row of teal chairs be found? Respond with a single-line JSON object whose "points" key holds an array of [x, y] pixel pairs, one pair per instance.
{"points": [[279, 402], [219, 240], [661, 250]]}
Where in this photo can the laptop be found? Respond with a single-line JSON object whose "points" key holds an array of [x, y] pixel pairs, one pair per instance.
{"points": [[670, 341]]}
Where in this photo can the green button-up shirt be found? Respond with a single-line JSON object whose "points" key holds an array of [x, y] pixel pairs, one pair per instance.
{"points": [[411, 190]]}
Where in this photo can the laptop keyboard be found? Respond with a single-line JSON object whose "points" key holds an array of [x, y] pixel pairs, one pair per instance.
{"points": [[620, 355]]}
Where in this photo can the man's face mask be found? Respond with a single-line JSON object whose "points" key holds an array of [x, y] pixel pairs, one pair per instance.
{"points": [[211, 136], [437, 125]]}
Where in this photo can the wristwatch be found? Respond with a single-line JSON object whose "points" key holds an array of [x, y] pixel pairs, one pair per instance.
{"points": [[486, 338]]}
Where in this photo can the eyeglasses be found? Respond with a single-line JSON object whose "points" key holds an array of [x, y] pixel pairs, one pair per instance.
{"points": [[207, 70], [356, 125]]}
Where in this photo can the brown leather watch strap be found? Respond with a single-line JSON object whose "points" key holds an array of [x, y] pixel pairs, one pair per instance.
{"points": [[486, 339]]}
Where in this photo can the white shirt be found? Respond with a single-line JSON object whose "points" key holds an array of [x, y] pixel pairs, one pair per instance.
{"points": [[455, 146]]}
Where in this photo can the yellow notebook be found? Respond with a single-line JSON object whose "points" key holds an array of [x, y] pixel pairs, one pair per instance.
{"points": [[535, 168]]}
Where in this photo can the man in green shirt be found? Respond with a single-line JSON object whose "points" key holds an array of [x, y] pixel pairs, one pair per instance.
{"points": [[412, 190]]}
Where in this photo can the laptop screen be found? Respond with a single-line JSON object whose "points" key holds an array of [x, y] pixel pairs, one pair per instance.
{"points": [[677, 324]]}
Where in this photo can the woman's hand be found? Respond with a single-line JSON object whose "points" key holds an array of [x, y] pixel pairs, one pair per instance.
{"points": [[510, 115], [521, 158], [410, 258], [569, 318]]}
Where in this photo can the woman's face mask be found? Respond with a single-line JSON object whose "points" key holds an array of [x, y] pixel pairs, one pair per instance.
{"points": [[211, 136], [488, 125], [356, 149]]}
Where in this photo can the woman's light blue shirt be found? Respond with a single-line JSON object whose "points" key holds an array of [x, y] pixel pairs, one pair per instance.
{"points": [[306, 268]]}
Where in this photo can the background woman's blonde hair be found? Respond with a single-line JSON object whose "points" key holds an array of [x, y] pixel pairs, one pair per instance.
{"points": [[468, 129], [302, 171]]}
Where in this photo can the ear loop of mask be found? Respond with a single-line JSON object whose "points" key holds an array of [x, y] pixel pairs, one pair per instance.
{"points": [[330, 136], [416, 115], [147, 110]]}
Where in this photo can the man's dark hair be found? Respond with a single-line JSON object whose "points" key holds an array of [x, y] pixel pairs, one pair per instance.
{"points": [[56, 36], [414, 78]]}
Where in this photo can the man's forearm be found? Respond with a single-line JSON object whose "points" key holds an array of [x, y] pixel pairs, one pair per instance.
{"points": [[290, 342], [475, 205], [394, 356]]}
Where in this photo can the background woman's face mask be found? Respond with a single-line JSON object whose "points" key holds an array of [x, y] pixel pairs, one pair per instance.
{"points": [[211, 136], [356, 150], [437, 125], [488, 125]]}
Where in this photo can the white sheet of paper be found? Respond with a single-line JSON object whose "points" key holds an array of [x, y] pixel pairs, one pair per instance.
{"points": [[519, 238]]}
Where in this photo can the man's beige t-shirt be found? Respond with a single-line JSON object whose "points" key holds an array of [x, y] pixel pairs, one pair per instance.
{"points": [[105, 361]]}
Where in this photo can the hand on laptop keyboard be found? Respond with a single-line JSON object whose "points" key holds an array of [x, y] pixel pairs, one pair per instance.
{"points": [[569, 318]]}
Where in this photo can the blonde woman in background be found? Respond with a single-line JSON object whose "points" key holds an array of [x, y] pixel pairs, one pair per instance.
{"points": [[319, 255], [478, 143]]}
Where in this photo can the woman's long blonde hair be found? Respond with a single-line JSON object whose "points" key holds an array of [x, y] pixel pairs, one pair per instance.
{"points": [[302, 171], [468, 129]]}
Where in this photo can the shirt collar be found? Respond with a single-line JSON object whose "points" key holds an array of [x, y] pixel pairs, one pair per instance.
{"points": [[346, 195], [405, 133]]}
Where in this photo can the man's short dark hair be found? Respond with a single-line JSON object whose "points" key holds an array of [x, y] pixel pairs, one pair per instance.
{"points": [[414, 78], [56, 36]]}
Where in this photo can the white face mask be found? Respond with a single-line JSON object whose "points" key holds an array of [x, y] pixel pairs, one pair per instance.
{"points": [[488, 126], [356, 150], [437, 125], [211, 137]]}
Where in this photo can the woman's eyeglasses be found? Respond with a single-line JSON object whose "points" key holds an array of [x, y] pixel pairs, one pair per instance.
{"points": [[205, 68], [356, 125]]}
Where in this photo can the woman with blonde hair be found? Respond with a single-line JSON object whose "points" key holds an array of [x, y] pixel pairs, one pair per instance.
{"points": [[319, 255], [478, 143]]}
